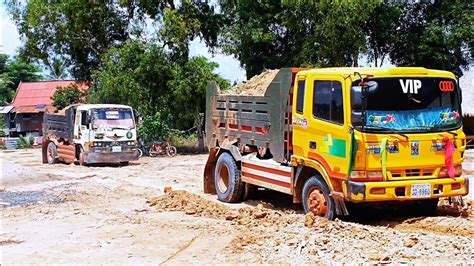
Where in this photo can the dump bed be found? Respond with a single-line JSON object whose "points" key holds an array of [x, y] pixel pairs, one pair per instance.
{"points": [[261, 121], [59, 125]]}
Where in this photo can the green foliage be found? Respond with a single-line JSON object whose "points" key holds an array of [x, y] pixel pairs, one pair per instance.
{"points": [[273, 34], [65, 96], [267, 34], [25, 142], [156, 127], [435, 35], [188, 90], [146, 78], [83, 30], [136, 75], [12, 72]]}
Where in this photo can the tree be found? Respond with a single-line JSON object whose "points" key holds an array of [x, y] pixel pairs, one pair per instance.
{"points": [[271, 34], [12, 72], [380, 29], [146, 78], [65, 96], [436, 35], [136, 75], [83, 31], [188, 96]]}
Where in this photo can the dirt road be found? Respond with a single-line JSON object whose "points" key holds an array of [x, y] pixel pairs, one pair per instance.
{"points": [[73, 214]]}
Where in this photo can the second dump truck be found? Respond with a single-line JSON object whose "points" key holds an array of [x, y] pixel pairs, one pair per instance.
{"points": [[337, 135], [89, 134]]}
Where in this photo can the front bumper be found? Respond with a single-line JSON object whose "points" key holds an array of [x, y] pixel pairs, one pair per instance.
{"points": [[400, 190], [111, 157]]}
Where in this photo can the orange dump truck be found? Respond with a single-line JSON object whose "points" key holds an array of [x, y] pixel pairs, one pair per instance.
{"points": [[337, 135]]}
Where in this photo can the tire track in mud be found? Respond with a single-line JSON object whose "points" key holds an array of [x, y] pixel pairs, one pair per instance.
{"points": [[279, 235]]}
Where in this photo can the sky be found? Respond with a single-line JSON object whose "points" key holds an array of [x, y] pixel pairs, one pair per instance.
{"points": [[229, 67]]}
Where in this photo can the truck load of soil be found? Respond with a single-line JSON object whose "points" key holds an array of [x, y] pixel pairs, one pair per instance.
{"points": [[256, 86]]}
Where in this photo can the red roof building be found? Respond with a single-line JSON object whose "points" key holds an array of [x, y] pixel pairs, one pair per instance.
{"points": [[35, 97], [32, 99]]}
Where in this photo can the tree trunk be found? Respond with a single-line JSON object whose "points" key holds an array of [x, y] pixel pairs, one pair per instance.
{"points": [[198, 123]]}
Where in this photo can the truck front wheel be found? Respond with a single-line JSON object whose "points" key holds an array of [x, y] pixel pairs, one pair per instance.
{"points": [[227, 182], [316, 198], [52, 153], [82, 160]]}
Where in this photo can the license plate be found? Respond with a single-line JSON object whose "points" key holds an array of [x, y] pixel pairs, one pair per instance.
{"points": [[420, 191], [116, 148]]}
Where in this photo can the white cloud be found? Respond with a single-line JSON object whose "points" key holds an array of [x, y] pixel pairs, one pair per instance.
{"points": [[9, 37], [229, 67]]}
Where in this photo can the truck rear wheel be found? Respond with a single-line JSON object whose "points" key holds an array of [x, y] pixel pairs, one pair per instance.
{"points": [[227, 182], [316, 198], [52, 153]]}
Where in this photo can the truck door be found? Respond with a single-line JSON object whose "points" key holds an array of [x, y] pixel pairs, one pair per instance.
{"points": [[326, 137], [81, 127]]}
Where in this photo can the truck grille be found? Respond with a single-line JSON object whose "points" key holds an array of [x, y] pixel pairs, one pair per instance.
{"points": [[412, 172]]}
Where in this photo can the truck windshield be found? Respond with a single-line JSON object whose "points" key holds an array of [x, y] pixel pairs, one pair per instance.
{"points": [[407, 104], [121, 118]]}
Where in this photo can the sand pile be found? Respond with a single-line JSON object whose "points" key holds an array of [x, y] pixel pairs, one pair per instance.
{"points": [[280, 236], [192, 204], [256, 86]]}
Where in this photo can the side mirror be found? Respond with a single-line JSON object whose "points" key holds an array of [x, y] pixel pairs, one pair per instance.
{"points": [[356, 94]]}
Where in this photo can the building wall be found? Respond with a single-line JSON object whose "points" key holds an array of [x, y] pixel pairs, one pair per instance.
{"points": [[29, 123]]}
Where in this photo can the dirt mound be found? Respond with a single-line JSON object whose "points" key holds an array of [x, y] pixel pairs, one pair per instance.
{"points": [[278, 236], [256, 86], [192, 204]]}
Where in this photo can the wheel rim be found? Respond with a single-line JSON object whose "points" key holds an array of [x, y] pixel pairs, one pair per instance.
{"points": [[223, 183], [317, 202], [50, 154]]}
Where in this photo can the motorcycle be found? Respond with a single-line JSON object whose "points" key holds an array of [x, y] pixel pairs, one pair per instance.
{"points": [[162, 148], [142, 149]]}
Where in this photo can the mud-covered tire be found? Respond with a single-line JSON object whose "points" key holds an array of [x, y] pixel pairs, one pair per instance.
{"points": [[82, 161], [52, 153], [321, 195], [229, 186]]}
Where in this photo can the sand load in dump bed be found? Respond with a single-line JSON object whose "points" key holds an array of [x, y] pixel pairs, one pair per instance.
{"points": [[255, 113], [256, 86]]}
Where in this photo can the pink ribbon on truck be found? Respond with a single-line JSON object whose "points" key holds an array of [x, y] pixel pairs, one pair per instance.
{"points": [[448, 155]]}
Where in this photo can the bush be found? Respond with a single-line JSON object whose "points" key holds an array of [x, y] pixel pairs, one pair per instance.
{"points": [[156, 127], [65, 96], [25, 142]]}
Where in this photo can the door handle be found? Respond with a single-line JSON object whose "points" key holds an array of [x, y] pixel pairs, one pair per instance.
{"points": [[312, 145]]}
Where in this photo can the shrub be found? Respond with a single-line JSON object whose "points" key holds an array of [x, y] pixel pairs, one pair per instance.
{"points": [[25, 142], [65, 96], [156, 127]]}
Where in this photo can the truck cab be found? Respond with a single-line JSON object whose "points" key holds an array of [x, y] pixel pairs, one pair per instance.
{"points": [[381, 134]]}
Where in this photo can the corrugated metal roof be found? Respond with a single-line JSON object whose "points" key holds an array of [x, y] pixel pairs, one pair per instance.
{"points": [[5, 109], [35, 93], [33, 109]]}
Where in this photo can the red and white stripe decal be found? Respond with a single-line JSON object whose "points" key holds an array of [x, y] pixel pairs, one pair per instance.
{"points": [[270, 176]]}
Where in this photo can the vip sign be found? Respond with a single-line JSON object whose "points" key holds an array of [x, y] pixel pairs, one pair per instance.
{"points": [[410, 85]]}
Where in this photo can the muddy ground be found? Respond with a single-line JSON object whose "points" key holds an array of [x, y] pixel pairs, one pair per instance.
{"points": [[73, 214]]}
